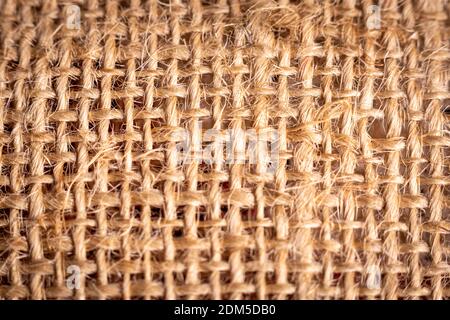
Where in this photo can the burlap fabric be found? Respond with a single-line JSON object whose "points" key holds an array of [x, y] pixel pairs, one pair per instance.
{"points": [[98, 200]]}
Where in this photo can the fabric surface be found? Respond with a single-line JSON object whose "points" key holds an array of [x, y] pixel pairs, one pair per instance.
{"points": [[109, 110]]}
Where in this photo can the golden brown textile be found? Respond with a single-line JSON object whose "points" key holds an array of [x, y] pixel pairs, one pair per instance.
{"points": [[95, 96]]}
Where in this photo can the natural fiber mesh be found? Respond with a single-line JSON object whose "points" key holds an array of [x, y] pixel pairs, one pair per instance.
{"points": [[90, 176]]}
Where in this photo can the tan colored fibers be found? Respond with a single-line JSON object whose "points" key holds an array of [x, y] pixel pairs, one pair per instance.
{"points": [[99, 201]]}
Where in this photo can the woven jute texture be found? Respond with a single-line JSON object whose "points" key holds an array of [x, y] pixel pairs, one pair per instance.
{"points": [[99, 201]]}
